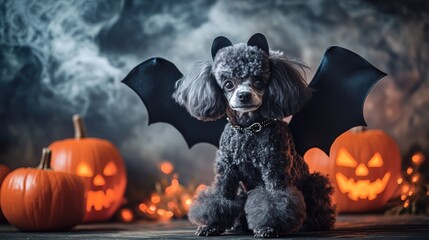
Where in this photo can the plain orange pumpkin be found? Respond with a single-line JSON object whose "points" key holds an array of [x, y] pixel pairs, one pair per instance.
{"points": [[4, 171], [364, 166], [99, 164], [40, 199]]}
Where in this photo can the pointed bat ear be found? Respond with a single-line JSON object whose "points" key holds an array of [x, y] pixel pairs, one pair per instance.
{"points": [[219, 43], [258, 40]]}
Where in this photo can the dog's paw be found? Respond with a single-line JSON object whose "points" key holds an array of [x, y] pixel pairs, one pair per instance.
{"points": [[267, 233], [209, 231]]}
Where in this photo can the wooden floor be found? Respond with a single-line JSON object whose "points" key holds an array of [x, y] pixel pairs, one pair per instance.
{"points": [[356, 226]]}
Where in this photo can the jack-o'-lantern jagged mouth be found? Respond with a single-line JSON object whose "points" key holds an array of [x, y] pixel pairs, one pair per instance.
{"points": [[98, 200], [361, 189]]}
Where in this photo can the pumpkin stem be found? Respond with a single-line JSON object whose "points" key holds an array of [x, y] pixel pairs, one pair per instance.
{"points": [[45, 162], [79, 127], [358, 129]]}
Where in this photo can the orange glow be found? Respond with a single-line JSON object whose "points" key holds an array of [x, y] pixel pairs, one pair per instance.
{"points": [[171, 205], [415, 178], [99, 180], [345, 159], [151, 209], [376, 161], [167, 167], [143, 207], [127, 215], [410, 193], [407, 203], [155, 199], [161, 212], [110, 169], [361, 170], [418, 158], [410, 170], [84, 170], [361, 189], [400, 180], [405, 188], [188, 202], [169, 214], [99, 199], [403, 197]]}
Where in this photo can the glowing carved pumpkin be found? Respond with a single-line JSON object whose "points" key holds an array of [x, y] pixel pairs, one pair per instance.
{"points": [[364, 166], [99, 163]]}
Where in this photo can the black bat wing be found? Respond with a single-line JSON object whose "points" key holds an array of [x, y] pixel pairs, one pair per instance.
{"points": [[154, 81], [341, 84]]}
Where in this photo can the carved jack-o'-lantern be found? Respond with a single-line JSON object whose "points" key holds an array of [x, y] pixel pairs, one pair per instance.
{"points": [[100, 165], [364, 166]]}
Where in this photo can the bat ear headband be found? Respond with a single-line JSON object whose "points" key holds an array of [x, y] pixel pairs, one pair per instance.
{"points": [[219, 43], [257, 40]]}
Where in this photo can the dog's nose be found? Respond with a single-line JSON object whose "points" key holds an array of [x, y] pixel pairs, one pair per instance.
{"points": [[244, 96]]}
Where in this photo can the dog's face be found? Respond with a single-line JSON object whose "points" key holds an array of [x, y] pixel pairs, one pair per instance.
{"points": [[242, 72], [244, 94]]}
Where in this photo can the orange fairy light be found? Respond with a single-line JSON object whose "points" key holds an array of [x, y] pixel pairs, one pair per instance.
{"points": [[410, 170], [167, 167], [407, 203], [155, 199], [143, 207], [400, 181], [403, 197], [164, 215], [415, 178], [161, 212], [126, 215], [151, 209], [418, 158], [405, 188]]}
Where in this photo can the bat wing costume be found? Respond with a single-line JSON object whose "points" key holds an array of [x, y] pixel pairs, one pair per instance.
{"points": [[340, 86]]}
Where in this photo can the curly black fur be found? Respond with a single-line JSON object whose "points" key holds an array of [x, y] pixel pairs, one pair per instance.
{"points": [[283, 197]]}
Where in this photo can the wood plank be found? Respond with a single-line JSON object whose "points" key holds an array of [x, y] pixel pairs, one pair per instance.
{"points": [[347, 226]]}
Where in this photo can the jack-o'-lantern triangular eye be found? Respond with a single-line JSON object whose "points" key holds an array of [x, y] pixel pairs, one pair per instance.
{"points": [[84, 170], [110, 169], [376, 161], [345, 159]]}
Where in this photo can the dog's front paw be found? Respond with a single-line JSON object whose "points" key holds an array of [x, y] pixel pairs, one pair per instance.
{"points": [[267, 233], [209, 231]]}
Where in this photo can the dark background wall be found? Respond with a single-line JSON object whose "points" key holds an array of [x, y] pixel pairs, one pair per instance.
{"points": [[58, 58]]}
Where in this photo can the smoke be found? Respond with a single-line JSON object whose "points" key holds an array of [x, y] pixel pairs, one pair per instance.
{"points": [[58, 58]]}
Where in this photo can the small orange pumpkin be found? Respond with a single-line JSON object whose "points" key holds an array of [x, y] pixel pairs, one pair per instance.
{"points": [[99, 164], [40, 199], [4, 170], [364, 166]]}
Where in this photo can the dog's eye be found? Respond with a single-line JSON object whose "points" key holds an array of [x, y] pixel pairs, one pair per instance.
{"points": [[258, 84], [228, 85]]}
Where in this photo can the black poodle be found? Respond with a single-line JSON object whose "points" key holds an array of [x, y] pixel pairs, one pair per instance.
{"points": [[261, 183]]}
